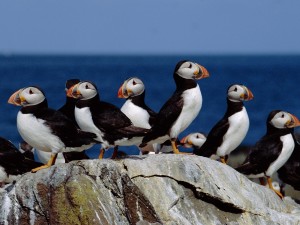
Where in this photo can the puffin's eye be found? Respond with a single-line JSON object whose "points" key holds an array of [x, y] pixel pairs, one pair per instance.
{"points": [[86, 86], [190, 66], [133, 82], [235, 89], [282, 116], [197, 136], [30, 91]]}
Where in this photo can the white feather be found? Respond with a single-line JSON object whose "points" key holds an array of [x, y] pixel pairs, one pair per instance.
{"points": [[286, 152], [192, 103], [238, 128], [36, 133], [138, 116]]}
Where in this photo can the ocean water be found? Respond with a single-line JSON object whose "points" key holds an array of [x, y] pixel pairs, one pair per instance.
{"points": [[274, 81]]}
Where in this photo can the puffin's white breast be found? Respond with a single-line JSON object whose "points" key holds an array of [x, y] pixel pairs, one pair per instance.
{"points": [[36, 133], [238, 128], [192, 103], [138, 116], [84, 120], [287, 150]]}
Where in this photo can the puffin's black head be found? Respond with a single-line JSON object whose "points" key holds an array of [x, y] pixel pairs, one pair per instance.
{"points": [[71, 82], [131, 87], [28, 96], [279, 119], [84, 90], [190, 70]]}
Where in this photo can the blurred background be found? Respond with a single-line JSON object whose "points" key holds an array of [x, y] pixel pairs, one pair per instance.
{"points": [[255, 43]]}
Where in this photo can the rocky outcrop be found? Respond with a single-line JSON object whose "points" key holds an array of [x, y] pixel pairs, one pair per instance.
{"points": [[158, 189]]}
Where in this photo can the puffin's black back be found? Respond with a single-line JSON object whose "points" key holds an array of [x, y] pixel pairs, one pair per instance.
{"points": [[289, 173], [69, 106]]}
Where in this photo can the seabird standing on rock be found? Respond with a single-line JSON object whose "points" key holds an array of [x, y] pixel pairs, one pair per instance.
{"points": [[182, 108], [13, 162], [231, 130], [47, 129], [68, 109], [112, 127], [135, 108], [273, 150]]}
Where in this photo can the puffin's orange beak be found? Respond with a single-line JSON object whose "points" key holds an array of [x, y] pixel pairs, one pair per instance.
{"points": [[73, 91], [122, 93], [15, 98], [185, 142], [249, 96], [201, 73], [294, 122]]}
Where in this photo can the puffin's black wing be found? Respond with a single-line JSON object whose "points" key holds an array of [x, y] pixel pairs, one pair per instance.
{"points": [[108, 117], [13, 161], [262, 155], [153, 116], [214, 139], [64, 128], [166, 117]]}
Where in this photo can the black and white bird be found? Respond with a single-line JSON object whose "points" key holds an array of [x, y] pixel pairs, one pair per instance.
{"points": [[289, 173], [273, 150], [112, 127], [193, 140], [47, 129], [68, 110], [231, 130], [135, 108], [13, 162], [182, 108]]}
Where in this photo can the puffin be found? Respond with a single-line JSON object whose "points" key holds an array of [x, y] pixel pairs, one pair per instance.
{"points": [[193, 140], [289, 173], [68, 109], [228, 133], [13, 162], [47, 129], [135, 108], [273, 150], [181, 108], [112, 127]]}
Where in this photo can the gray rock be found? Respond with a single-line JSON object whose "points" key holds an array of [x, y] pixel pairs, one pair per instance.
{"points": [[155, 189]]}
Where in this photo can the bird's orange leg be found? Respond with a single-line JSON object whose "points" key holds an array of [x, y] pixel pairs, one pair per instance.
{"points": [[272, 188], [101, 155], [49, 163]]}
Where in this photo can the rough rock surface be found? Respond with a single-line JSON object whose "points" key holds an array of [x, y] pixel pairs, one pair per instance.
{"points": [[158, 189]]}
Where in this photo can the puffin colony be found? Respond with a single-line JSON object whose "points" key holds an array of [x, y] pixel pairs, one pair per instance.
{"points": [[85, 120]]}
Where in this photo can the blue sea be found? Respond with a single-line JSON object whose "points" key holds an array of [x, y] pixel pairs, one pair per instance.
{"points": [[274, 81]]}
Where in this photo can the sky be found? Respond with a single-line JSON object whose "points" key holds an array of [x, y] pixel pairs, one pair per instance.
{"points": [[149, 27]]}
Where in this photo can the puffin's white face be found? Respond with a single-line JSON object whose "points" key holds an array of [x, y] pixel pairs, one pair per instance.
{"points": [[27, 97], [191, 70], [83, 90], [239, 93], [284, 119], [193, 139], [131, 87]]}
